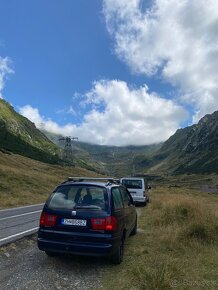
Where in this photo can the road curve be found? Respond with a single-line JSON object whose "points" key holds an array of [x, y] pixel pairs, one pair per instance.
{"points": [[16, 223]]}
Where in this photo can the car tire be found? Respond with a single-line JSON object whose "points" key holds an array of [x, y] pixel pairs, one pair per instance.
{"points": [[51, 254], [117, 258], [144, 203], [134, 231]]}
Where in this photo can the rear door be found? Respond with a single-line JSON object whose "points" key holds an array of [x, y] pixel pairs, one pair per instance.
{"points": [[135, 187], [130, 211], [118, 209]]}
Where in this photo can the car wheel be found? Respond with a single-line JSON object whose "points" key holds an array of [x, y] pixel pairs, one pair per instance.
{"points": [[117, 258], [134, 231], [144, 203], [50, 254]]}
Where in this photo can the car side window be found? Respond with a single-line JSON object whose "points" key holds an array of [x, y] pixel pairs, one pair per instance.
{"points": [[125, 196], [117, 198]]}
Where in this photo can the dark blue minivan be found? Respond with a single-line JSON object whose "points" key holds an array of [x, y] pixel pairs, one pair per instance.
{"points": [[87, 216]]}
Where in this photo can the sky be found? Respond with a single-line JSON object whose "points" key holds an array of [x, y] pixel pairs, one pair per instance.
{"points": [[110, 72]]}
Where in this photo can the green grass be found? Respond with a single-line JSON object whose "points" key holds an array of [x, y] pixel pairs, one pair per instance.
{"points": [[176, 246], [26, 181]]}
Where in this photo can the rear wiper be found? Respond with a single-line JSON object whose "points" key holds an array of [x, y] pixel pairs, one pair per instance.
{"points": [[77, 207]]}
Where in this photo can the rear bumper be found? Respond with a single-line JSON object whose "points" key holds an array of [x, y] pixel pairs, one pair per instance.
{"points": [[88, 245], [139, 199]]}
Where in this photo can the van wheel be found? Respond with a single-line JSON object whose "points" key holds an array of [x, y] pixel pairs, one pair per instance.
{"points": [[117, 258], [134, 231]]}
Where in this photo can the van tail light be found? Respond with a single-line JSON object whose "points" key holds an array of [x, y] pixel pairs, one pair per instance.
{"points": [[47, 220], [105, 224], [144, 193]]}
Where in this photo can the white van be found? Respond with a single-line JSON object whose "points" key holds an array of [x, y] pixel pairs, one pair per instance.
{"points": [[136, 186]]}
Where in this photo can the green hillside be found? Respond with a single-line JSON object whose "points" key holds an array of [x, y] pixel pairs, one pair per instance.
{"points": [[19, 135], [190, 150], [26, 181]]}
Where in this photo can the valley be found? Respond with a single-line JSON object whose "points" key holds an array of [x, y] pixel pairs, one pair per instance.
{"points": [[31, 161], [109, 145], [176, 244], [191, 150]]}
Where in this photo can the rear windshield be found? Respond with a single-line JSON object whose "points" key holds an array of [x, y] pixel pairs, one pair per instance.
{"points": [[130, 183], [79, 197]]}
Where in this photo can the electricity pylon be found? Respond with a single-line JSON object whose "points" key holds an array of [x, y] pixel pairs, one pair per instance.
{"points": [[68, 152]]}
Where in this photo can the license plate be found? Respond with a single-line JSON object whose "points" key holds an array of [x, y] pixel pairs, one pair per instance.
{"points": [[73, 222]]}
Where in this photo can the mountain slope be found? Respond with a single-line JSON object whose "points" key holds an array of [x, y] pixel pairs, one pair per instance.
{"points": [[190, 150], [111, 160], [27, 181], [19, 135]]}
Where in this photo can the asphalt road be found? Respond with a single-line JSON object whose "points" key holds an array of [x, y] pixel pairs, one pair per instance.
{"points": [[16, 223]]}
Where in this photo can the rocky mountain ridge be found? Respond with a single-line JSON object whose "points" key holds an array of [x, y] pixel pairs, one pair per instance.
{"points": [[193, 149]]}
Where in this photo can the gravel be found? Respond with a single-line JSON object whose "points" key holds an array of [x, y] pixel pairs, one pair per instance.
{"points": [[23, 266]]}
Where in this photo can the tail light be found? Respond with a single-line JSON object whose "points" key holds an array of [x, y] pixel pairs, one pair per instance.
{"points": [[98, 224], [111, 223], [144, 193], [47, 220], [106, 224]]}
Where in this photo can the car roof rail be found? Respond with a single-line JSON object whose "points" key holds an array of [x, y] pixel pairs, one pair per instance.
{"points": [[80, 179]]}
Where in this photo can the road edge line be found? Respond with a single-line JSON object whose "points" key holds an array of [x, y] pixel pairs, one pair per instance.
{"points": [[22, 234]]}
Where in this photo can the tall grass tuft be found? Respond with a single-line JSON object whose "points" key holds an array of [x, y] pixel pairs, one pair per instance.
{"points": [[180, 210], [204, 231], [153, 273]]}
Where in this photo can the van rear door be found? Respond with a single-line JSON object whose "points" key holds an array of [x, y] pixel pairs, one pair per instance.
{"points": [[135, 186]]}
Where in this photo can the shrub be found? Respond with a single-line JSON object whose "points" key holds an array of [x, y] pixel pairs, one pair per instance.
{"points": [[201, 231], [153, 273], [180, 212]]}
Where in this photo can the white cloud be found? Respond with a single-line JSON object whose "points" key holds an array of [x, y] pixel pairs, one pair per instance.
{"points": [[4, 71], [69, 110], [177, 39], [130, 116], [43, 123]]}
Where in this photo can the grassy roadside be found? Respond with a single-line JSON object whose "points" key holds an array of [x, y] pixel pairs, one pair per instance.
{"points": [[176, 246], [26, 181]]}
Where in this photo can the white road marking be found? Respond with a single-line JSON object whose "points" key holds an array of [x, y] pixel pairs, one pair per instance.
{"points": [[22, 214], [26, 206], [19, 234]]}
